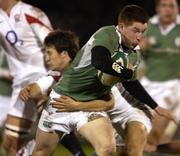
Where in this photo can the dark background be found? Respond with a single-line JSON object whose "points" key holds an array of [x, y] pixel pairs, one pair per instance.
{"points": [[85, 16]]}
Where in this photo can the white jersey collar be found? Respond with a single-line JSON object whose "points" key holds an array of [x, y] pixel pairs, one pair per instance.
{"points": [[155, 20], [119, 34]]}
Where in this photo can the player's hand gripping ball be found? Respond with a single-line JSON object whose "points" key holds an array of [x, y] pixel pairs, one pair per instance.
{"points": [[120, 58]]}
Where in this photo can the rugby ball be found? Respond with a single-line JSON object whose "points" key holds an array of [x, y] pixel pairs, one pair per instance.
{"points": [[119, 58]]}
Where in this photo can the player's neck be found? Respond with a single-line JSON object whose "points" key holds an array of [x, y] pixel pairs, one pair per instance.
{"points": [[65, 68], [8, 5], [123, 44], [166, 24], [124, 47]]}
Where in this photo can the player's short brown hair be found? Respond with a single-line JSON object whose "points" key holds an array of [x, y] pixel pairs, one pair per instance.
{"points": [[63, 40], [132, 13]]}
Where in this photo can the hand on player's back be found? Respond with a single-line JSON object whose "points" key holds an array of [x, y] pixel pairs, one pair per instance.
{"points": [[166, 113], [24, 93]]}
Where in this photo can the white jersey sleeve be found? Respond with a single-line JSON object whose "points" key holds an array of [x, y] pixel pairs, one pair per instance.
{"points": [[45, 83], [39, 22]]}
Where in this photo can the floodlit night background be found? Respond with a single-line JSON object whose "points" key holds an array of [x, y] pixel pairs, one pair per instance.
{"points": [[85, 16]]}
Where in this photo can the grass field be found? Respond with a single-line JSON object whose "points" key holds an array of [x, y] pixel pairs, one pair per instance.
{"points": [[61, 151]]}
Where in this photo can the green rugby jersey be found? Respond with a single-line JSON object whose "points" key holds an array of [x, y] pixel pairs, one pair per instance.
{"points": [[163, 56], [5, 85], [80, 80]]}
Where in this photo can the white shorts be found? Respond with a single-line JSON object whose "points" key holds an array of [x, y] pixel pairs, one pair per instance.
{"points": [[165, 93], [123, 113], [4, 108], [65, 121]]}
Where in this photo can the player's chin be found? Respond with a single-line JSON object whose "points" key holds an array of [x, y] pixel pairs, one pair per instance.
{"points": [[48, 65], [51, 67], [135, 44], [131, 46]]}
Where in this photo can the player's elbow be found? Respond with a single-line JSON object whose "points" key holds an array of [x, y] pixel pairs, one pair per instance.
{"points": [[96, 63], [97, 57]]}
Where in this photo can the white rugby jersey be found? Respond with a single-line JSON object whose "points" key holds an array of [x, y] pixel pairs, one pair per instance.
{"points": [[22, 35]]}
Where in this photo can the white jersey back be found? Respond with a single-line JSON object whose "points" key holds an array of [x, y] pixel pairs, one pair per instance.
{"points": [[21, 38]]}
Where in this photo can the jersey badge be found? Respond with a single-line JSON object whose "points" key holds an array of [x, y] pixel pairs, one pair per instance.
{"points": [[17, 17], [47, 124]]}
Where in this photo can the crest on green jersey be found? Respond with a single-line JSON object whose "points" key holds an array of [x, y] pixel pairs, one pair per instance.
{"points": [[120, 57]]}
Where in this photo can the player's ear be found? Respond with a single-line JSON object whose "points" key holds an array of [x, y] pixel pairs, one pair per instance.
{"points": [[64, 53], [121, 26]]}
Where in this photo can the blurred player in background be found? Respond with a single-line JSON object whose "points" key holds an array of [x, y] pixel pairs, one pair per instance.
{"points": [[162, 67]]}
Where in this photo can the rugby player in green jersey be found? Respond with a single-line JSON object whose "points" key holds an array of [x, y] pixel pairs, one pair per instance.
{"points": [[105, 41], [80, 82], [162, 67]]}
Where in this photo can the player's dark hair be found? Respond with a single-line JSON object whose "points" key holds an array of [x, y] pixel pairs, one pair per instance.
{"points": [[63, 40], [132, 13], [157, 2]]}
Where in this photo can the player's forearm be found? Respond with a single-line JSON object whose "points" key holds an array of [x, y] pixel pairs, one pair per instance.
{"points": [[95, 105], [31, 91], [67, 104], [138, 92], [101, 59]]}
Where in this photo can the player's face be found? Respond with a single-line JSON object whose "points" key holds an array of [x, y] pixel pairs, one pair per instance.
{"points": [[56, 61], [1, 3], [167, 10], [5, 3], [132, 34]]}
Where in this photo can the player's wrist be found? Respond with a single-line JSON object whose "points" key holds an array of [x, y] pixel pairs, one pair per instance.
{"points": [[158, 110], [78, 106]]}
